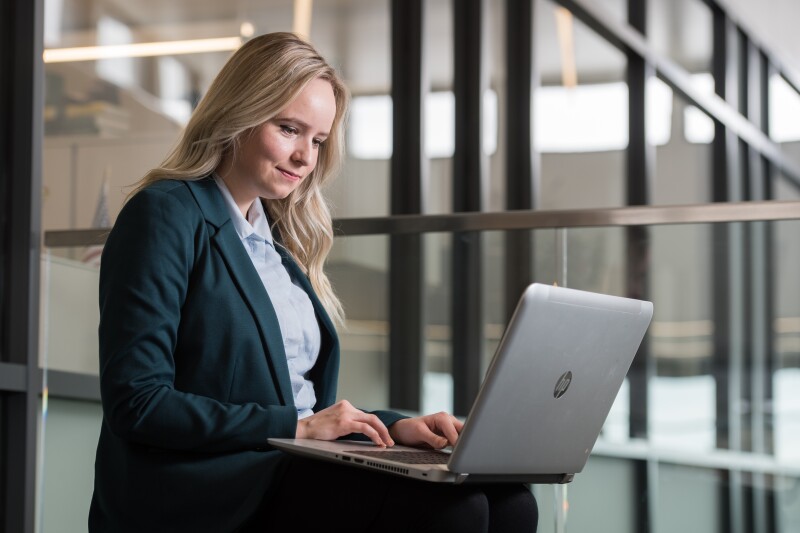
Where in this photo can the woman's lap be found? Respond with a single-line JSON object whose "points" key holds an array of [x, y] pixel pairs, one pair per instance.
{"points": [[319, 496]]}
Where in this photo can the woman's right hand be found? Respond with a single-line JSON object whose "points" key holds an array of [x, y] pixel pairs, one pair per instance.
{"points": [[342, 419]]}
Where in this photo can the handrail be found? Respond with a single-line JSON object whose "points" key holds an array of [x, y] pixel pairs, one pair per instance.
{"points": [[715, 459], [516, 220]]}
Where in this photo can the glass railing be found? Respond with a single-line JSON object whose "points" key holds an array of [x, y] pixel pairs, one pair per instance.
{"points": [[722, 417]]}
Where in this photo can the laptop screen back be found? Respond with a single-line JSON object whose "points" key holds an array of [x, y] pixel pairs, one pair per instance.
{"points": [[551, 384]]}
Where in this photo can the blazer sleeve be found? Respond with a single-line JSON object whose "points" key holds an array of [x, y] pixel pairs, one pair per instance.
{"points": [[145, 275]]}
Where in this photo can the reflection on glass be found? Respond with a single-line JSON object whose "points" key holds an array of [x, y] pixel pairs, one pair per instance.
{"points": [[494, 304], [67, 464], [594, 259], [437, 385], [357, 268], [617, 425], [682, 412], [70, 315], [787, 498], [592, 506], [786, 340], [786, 382], [688, 499], [682, 394]]}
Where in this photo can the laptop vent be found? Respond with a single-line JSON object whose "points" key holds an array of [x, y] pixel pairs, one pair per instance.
{"points": [[395, 469]]}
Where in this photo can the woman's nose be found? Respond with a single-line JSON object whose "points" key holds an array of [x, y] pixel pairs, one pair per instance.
{"points": [[302, 153]]}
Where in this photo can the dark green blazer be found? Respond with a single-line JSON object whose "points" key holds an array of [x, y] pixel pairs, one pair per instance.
{"points": [[193, 372]]}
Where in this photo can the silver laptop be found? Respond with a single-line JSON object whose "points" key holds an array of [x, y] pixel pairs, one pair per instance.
{"points": [[546, 395]]}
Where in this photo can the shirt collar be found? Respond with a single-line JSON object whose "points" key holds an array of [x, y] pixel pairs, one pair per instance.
{"points": [[256, 222]]}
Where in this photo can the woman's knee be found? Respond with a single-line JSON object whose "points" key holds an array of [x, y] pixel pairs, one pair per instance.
{"points": [[512, 509], [460, 511]]}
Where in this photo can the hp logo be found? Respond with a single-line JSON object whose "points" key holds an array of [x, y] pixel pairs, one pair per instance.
{"points": [[563, 384]]}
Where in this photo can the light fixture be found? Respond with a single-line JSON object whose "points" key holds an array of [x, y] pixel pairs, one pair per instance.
{"points": [[246, 29], [302, 18], [164, 48], [566, 41]]}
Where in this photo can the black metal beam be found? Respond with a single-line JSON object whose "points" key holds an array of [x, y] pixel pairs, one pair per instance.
{"points": [[522, 168], [767, 70], [13, 377], [639, 171], [638, 179], [719, 296], [719, 70], [469, 165], [743, 93], [406, 275], [21, 128], [759, 263], [727, 263]]}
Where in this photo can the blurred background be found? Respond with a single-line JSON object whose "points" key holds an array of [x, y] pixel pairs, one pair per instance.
{"points": [[653, 147]]}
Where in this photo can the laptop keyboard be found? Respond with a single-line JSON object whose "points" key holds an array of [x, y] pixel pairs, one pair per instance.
{"points": [[410, 458]]}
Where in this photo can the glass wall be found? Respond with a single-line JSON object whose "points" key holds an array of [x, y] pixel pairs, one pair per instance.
{"points": [[358, 271], [724, 347]]}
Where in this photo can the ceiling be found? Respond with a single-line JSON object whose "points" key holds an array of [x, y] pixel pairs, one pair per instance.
{"points": [[354, 34]]}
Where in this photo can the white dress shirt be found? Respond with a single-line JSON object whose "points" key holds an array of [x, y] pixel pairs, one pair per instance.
{"points": [[298, 322]]}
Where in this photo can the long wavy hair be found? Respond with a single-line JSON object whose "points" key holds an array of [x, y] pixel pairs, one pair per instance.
{"points": [[256, 84]]}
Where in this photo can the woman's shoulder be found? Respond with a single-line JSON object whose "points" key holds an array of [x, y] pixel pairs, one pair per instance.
{"points": [[181, 189], [170, 186], [169, 197]]}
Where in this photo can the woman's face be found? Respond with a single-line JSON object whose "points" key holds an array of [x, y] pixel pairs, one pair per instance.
{"points": [[277, 156]]}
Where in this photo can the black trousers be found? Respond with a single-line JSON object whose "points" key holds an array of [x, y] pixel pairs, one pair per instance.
{"points": [[321, 496]]}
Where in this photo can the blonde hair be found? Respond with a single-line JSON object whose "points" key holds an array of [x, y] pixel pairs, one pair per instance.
{"points": [[258, 81]]}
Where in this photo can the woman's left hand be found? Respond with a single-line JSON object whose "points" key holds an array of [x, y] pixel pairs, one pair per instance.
{"points": [[436, 431]]}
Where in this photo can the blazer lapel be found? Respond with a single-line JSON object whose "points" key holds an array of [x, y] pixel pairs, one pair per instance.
{"points": [[246, 278], [300, 276], [326, 371]]}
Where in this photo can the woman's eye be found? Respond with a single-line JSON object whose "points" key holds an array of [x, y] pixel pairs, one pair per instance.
{"points": [[289, 130], [318, 142]]}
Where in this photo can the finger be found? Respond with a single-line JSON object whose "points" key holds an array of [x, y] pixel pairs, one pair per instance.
{"points": [[370, 432], [431, 439], [438, 442], [379, 427], [448, 429]]}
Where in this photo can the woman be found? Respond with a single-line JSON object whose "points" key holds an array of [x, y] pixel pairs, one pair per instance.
{"points": [[216, 330]]}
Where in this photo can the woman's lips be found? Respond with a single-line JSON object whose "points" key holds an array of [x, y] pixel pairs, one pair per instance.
{"points": [[289, 175]]}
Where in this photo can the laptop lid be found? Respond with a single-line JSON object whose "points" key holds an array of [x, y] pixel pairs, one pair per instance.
{"points": [[551, 384]]}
